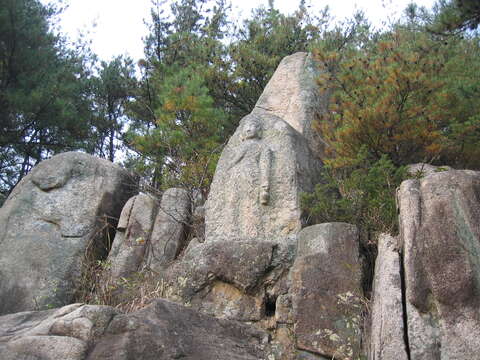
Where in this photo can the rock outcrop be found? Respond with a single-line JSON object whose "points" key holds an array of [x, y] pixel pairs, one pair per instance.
{"points": [[293, 95], [64, 333], [440, 237], [133, 235], [269, 161], [162, 330], [388, 334], [256, 284], [51, 219], [255, 193], [165, 330], [228, 279], [326, 291], [170, 229]]}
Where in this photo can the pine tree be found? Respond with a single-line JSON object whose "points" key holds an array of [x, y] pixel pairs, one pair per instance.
{"points": [[185, 46], [387, 100], [185, 142], [455, 16], [112, 89], [44, 91]]}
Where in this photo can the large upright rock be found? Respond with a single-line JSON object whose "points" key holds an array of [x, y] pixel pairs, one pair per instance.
{"points": [[133, 234], [388, 336], [48, 223], [269, 161], [326, 290], [255, 193], [440, 233], [294, 95], [170, 229]]}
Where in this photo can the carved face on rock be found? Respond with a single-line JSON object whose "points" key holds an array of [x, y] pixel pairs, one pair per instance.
{"points": [[251, 129]]}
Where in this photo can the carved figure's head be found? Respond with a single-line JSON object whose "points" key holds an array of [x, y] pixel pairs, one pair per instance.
{"points": [[251, 128]]}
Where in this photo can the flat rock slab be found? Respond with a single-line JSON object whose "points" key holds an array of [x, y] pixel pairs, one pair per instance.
{"points": [[59, 334], [327, 291], [165, 330], [162, 330], [48, 222]]}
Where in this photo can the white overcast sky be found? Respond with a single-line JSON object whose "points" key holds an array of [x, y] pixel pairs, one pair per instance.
{"points": [[120, 23]]}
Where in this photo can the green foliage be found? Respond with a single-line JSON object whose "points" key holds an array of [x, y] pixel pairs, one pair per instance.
{"points": [[459, 102], [454, 16], [185, 141], [43, 90], [400, 96], [234, 70], [260, 44], [50, 99], [176, 123], [363, 194], [112, 89], [406, 93], [387, 100]]}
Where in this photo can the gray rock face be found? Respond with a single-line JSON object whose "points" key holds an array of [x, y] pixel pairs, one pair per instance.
{"points": [[132, 236], [440, 233], [170, 228], [387, 339], [293, 95], [48, 222], [258, 180], [162, 330], [222, 278], [423, 169], [65, 333], [165, 330], [327, 291]]}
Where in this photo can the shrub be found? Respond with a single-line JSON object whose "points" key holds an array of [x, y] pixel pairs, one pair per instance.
{"points": [[362, 194]]}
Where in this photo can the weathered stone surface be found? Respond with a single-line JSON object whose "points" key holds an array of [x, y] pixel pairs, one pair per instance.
{"points": [[165, 330], [283, 309], [59, 334], [387, 340], [170, 228], [440, 233], [327, 291], [222, 279], [162, 330], [257, 184], [31, 323], [133, 234], [423, 169], [61, 208], [225, 301], [294, 95], [424, 339], [44, 348]]}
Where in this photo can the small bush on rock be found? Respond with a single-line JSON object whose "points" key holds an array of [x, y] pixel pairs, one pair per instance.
{"points": [[362, 194]]}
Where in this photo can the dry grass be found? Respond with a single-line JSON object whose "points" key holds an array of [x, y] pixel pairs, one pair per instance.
{"points": [[126, 294], [97, 287]]}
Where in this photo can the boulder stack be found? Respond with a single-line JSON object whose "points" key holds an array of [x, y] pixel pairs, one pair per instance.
{"points": [[54, 217]]}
